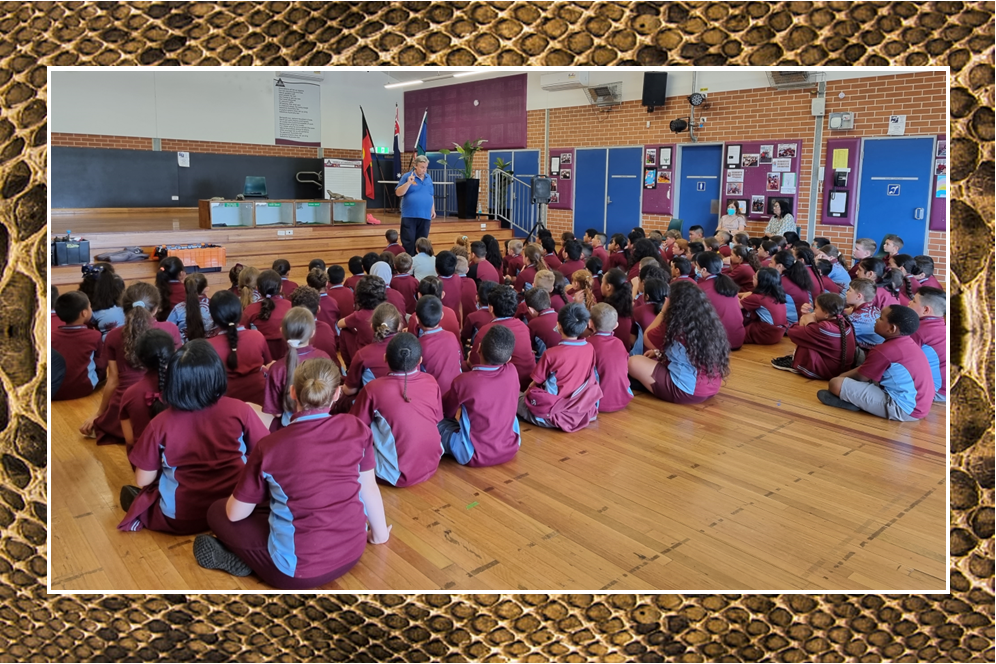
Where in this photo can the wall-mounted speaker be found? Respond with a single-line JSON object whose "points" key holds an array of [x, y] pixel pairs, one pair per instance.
{"points": [[654, 89]]}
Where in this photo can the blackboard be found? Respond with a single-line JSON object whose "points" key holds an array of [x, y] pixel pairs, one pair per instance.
{"points": [[224, 175]]}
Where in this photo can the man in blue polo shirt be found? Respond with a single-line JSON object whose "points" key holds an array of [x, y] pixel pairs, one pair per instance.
{"points": [[418, 207]]}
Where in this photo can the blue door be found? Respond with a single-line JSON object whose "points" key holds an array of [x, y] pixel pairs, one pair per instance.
{"points": [[590, 188], [698, 193], [895, 190], [625, 190], [525, 165]]}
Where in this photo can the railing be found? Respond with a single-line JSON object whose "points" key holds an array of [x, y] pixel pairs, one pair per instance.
{"points": [[510, 201]]}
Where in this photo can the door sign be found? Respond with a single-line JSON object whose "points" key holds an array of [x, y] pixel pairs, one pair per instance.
{"points": [[700, 186], [893, 190]]}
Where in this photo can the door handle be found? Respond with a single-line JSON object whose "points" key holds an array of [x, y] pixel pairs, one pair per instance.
{"points": [[918, 213], [608, 200]]}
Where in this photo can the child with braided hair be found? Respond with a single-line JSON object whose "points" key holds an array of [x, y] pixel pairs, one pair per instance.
{"points": [[192, 316], [808, 258], [243, 351], [796, 282], [143, 400], [825, 341], [906, 265], [888, 283], [926, 266], [369, 362], [325, 338], [298, 328], [267, 314], [403, 410]]}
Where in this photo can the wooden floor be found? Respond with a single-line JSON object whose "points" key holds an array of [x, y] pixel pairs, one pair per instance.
{"points": [[760, 488]]}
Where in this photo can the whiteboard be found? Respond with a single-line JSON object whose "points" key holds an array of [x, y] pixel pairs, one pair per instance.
{"points": [[344, 176]]}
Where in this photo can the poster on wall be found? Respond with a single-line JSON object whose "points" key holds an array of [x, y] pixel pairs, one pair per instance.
{"points": [[741, 206], [781, 165], [773, 182], [297, 113], [565, 158], [734, 188], [788, 183], [665, 157], [663, 177], [941, 167], [766, 153], [733, 156], [942, 187], [787, 150], [553, 184], [554, 165], [650, 158], [565, 174], [757, 204], [554, 196], [897, 125], [735, 175], [750, 160], [650, 178], [942, 149]]}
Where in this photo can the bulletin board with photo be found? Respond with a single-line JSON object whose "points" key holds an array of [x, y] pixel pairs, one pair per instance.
{"points": [[939, 193], [561, 169], [755, 173], [658, 178]]}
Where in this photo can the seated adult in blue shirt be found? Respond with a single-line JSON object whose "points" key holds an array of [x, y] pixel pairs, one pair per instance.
{"points": [[418, 207]]}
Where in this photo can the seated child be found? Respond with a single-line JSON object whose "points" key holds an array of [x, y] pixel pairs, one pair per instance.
{"points": [[724, 237], [512, 262], [480, 316], [863, 314], [550, 257], [405, 282], [824, 339], [446, 262], [545, 280], [328, 307], [356, 272], [298, 329], [926, 267], [248, 286], [906, 266], [104, 288], [582, 288], [694, 356], [610, 359], [564, 391], [838, 274], [618, 253], [192, 316], [722, 292], [863, 248], [891, 245], [244, 351], [765, 320], [542, 321], [392, 242], [325, 338], [766, 252], [424, 260], [667, 249], [682, 270], [169, 283], [191, 454], [821, 284], [533, 263], [797, 282], [617, 291], [594, 267], [155, 347], [355, 331], [481, 268], [655, 291], [744, 264], [468, 287], [572, 252], [434, 286], [442, 355], [342, 295], [481, 428], [266, 314], [384, 270], [930, 304], [825, 269], [370, 361], [502, 302], [895, 380], [315, 529], [403, 410], [79, 344], [282, 267], [317, 263]]}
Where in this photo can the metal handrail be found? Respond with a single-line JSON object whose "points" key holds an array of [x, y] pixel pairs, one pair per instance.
{"points": [[519, 216]]}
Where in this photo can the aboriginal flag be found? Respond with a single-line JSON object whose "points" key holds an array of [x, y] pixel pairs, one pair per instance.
{"points": [[368, 146]]}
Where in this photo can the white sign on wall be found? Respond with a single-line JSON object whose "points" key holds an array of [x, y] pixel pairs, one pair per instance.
{"points": [[297, 113]]}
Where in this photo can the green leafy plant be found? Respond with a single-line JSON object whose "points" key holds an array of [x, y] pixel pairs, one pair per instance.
{"points": [[503, 165], [467, 152]]}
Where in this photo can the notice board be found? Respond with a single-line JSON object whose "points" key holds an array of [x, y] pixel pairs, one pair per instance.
{"points": [[757, 173]]}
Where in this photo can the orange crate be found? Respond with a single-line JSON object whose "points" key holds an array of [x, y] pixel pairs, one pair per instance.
{"points": [[209, 258]]}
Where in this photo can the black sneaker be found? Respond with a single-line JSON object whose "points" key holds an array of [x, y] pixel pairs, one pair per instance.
{"points": [[830, 399], [784, 363], [212, 554], [128, 495]]}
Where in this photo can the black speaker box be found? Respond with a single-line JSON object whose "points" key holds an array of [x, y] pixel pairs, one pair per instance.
{"points": [[654, 89], [541, 189]]}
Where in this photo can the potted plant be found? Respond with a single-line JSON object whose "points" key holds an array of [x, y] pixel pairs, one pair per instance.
{"points": [[468, 188]]}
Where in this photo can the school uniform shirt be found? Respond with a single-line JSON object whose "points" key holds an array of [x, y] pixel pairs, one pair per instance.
{"points": [[795, 297], [634, 272], [370, 362], [442, 356], [685, 376], [522, 354], [269, 328], [106, 320], [543, 331], [200, 454], [820, 283], [624, 332], [564, 368], [684, 277], [526, 276], [328, 310], [553, 262], [743, 274], [603, 254], [931, 337], [395, 248], [344, 298], [177, 293], [667, 251], [406, 436], [725, 251], [486, 272], [452, 294], [643, 316], [287, 287], [136, 403], [179, 318], [407, 285], [767, 261], [930, 281], [884, 298], [839, 275], [474, 322], [468, 295], [513, 265], [352, 280], [612, 371], [82, 349], [423, 265], [616, 259], [568, 268], [276, 377], [356, 334], [817, 353], [728, 308], [448, 323], [246, 382], [309, 474], [397, 299], [326, 340], [863, 319], [765, 319], [900, 367], [487, 397]]}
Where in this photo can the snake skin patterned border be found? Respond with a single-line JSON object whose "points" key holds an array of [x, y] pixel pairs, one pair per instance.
{"points": [[35, 626]]}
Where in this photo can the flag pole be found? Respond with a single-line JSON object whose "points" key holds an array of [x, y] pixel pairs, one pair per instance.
{"points": [[418, 138]]}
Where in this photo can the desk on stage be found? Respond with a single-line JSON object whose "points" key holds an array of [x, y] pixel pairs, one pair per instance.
{"points": [[261, 213]]}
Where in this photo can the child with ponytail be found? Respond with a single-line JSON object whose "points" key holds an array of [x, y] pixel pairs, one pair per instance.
{"points": [[744, 264], [888, 283], [764, 310], [583, 288], [369, 362], [193, 316], [307, 475], [617, 292], [143, 401], [825, 341], [618, 253], [808, 258], [282, 267], [104, 288], [124, 367], [247, 293], [533, 263], [403, 410], [169, 283], [267, 314], [906, 265], [722, 292], [243, 351], [298, 328], [796, 283]]}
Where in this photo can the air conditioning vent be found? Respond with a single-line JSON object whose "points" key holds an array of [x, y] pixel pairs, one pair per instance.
{"points": [[573, 80], [791, 80], [605, 94]]}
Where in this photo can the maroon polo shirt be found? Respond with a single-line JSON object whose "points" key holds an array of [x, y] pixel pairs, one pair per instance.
{"points": [[82, 349], [407, 285], [522, 355], [489, 397], [246, 381], [442, 356], [612, 365], [269, 328], [343, 297]]}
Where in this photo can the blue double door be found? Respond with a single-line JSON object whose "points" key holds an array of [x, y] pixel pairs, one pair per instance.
{"points": [[608, 189], [525, 166], [700, 170]]}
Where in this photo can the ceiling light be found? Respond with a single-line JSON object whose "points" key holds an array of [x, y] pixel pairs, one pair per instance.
{"points": [[402, 84], [696, 99], [470, 73]]}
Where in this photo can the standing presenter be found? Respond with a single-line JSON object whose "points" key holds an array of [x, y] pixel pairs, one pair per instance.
{"points": [[418, 206]]}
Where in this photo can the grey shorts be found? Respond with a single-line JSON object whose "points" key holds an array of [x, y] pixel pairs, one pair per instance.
{"points": [[871, 398]]}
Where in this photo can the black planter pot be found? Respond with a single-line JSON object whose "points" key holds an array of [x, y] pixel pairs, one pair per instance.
{"points": [[466, 195]]}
